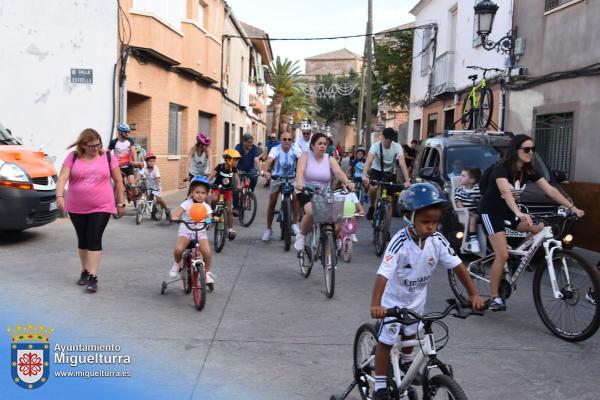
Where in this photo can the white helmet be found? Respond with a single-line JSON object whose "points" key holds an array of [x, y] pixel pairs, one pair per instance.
{"points": [[305, 126]]}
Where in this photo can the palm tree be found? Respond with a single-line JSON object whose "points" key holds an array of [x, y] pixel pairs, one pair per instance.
{"points": [[284, 79], [298, 106]]}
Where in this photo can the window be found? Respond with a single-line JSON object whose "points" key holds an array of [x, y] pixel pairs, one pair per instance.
{"points": [[201, 14], [175, 112], [172, 11], [204, 122], [432, 124], [416, 129], [226, 136], [554, 140], [425, 51], [449, 119], [241, 133], [480, 156], [552, 4]]}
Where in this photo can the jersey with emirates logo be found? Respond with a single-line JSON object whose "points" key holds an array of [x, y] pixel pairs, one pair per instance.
{"points": [[408, 268]]}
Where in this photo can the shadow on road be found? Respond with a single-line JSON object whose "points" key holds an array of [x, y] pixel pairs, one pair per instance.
{"points": [[7, 238]]}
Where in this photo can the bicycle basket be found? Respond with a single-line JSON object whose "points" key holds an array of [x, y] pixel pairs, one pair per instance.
{"points": [[327, 208]]}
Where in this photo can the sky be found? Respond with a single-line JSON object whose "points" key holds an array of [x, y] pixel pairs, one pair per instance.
{"points": [[318, 18]]}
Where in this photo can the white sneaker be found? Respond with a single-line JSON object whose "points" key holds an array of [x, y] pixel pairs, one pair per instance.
{"points": [[299, 243], [474, 246], [354, 238], [295, 229], [174, 270], [210, 278], [267, 235]]}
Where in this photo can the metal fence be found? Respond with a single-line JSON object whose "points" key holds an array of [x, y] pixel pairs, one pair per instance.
{"points": [[554, 140]]}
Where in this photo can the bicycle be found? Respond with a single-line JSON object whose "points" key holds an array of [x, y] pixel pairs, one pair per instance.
{"points": [[320, 241], [221, 219], [564, 288], [193, 274], [247, 204], [147, 206], [401, 385], [382, 218], [285, 214], [478, 106], [347, 228]]}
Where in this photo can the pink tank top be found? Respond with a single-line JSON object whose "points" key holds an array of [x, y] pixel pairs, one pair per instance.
{"points": [[317, 172]]}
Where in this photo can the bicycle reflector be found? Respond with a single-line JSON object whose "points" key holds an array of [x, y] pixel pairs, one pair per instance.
{"points": [[198, 212]]}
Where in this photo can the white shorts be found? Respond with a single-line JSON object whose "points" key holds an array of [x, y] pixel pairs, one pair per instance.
{"points": [[191, 235], [389, 333], [154, 192]]}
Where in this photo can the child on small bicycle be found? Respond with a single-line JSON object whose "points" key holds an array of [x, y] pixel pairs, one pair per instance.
{"points": [[356, 167], [198, 193], [226, 176], [468, 196], [351, 206], [153, 182], [403, 276]]}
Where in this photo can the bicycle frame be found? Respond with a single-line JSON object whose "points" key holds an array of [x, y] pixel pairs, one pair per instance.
{"points": [[475, 91]]}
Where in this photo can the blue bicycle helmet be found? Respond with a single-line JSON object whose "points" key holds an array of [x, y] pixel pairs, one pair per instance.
{"points": [[200, 180], [123, 127], [419, 196]]}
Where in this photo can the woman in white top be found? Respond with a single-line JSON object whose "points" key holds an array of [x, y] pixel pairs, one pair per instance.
{"points": [[198, 161]]}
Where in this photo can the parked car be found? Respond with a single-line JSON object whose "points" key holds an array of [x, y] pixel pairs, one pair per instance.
{"points": [[27, 186], [442, 157]]}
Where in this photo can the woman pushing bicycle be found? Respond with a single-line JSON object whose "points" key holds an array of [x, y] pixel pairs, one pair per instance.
{"points": [[226, 176], [198, 193], [316, 168], [405, 272], [501, 186]]}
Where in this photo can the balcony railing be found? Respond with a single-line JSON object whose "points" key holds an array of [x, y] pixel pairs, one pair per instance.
{"points": [[443, 74]]}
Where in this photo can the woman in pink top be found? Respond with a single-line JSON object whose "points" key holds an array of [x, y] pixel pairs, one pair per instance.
{"points": [[91, 200], [315, 168]]}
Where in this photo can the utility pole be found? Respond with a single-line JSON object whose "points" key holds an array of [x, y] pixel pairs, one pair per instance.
{"points": [[369, 74], [361, 96]]}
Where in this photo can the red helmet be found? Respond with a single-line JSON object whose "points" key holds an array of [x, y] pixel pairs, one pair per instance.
{"points": [[203, 139], [150, 155]]}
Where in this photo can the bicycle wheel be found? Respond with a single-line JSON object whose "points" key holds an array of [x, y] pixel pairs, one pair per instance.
{"points": [[486, 108], [329, 261], [247, 208], [479, 273], [468, 112], [199, 285], [186, 273], [380, 230], [139, 212], [347, 249], [574, 317], [285, 213], [365, 342], [443, 387], [220, 231]]}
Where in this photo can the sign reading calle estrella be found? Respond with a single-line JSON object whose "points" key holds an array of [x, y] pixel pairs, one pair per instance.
{"points": [[82, 75], [29, 355]]}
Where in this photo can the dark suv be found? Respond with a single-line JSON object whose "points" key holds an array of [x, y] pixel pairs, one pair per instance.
{"points": [[445, 155]]}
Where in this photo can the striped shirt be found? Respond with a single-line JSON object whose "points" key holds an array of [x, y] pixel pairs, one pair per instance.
{"points": [[469, 198]]}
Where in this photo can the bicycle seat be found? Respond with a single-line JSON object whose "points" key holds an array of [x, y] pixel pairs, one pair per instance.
{"points": [[473, 77]]}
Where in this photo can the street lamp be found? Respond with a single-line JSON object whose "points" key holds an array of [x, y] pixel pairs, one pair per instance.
{"points": [[485, 12]]}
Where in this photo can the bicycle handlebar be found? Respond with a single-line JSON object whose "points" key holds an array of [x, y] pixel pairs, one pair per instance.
{"points": [[389, 185], [193, 226], [406, 316]]}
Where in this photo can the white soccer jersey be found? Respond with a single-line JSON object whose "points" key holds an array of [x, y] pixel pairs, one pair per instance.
{"points": [[408, 268], [151, 177]]}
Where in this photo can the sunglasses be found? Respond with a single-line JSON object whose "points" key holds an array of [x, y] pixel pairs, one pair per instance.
{"points": [[528, 150], [93, 146], [286, 139]]}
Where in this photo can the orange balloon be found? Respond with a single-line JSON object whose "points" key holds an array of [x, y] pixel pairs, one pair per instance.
{"points": [[198, 212]]}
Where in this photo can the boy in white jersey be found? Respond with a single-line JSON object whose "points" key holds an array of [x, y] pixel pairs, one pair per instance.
{"points": [[403, 276], [153, 182]]}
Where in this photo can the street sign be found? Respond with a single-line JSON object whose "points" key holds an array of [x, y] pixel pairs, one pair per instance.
{"points": [[82, 75]]}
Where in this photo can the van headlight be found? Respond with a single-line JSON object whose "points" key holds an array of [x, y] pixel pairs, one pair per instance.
{"points": [[12, 172], [460, 235], [568, 239]]}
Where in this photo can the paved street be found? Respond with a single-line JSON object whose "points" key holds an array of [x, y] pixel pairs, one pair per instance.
{"points": [[266, 333]]}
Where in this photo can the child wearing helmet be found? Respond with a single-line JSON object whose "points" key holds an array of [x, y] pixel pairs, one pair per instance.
{"points": [[404, 274], [153, 183], [123, 147], [226, 177], [198, 193]]}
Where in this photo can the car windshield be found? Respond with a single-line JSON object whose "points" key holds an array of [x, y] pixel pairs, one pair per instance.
{"points": [[479, 156]]}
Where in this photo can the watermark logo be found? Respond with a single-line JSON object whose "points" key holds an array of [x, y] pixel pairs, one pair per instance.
{"points": [[30, 355]]}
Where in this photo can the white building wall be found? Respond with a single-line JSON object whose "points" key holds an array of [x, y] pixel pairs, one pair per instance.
{"points": [[41, 41], [466, 52]]}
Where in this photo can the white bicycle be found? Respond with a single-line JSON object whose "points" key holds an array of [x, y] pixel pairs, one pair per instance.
{"points": [[401, 384], [147, 206], [565, 293]]}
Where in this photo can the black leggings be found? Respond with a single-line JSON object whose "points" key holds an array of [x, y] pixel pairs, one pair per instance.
{"points": [[90, 228]]}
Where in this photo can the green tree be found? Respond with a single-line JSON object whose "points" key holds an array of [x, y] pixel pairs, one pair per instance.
{"points": [[338, 108], [284, 80], [393, 65], [299, 105]]}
